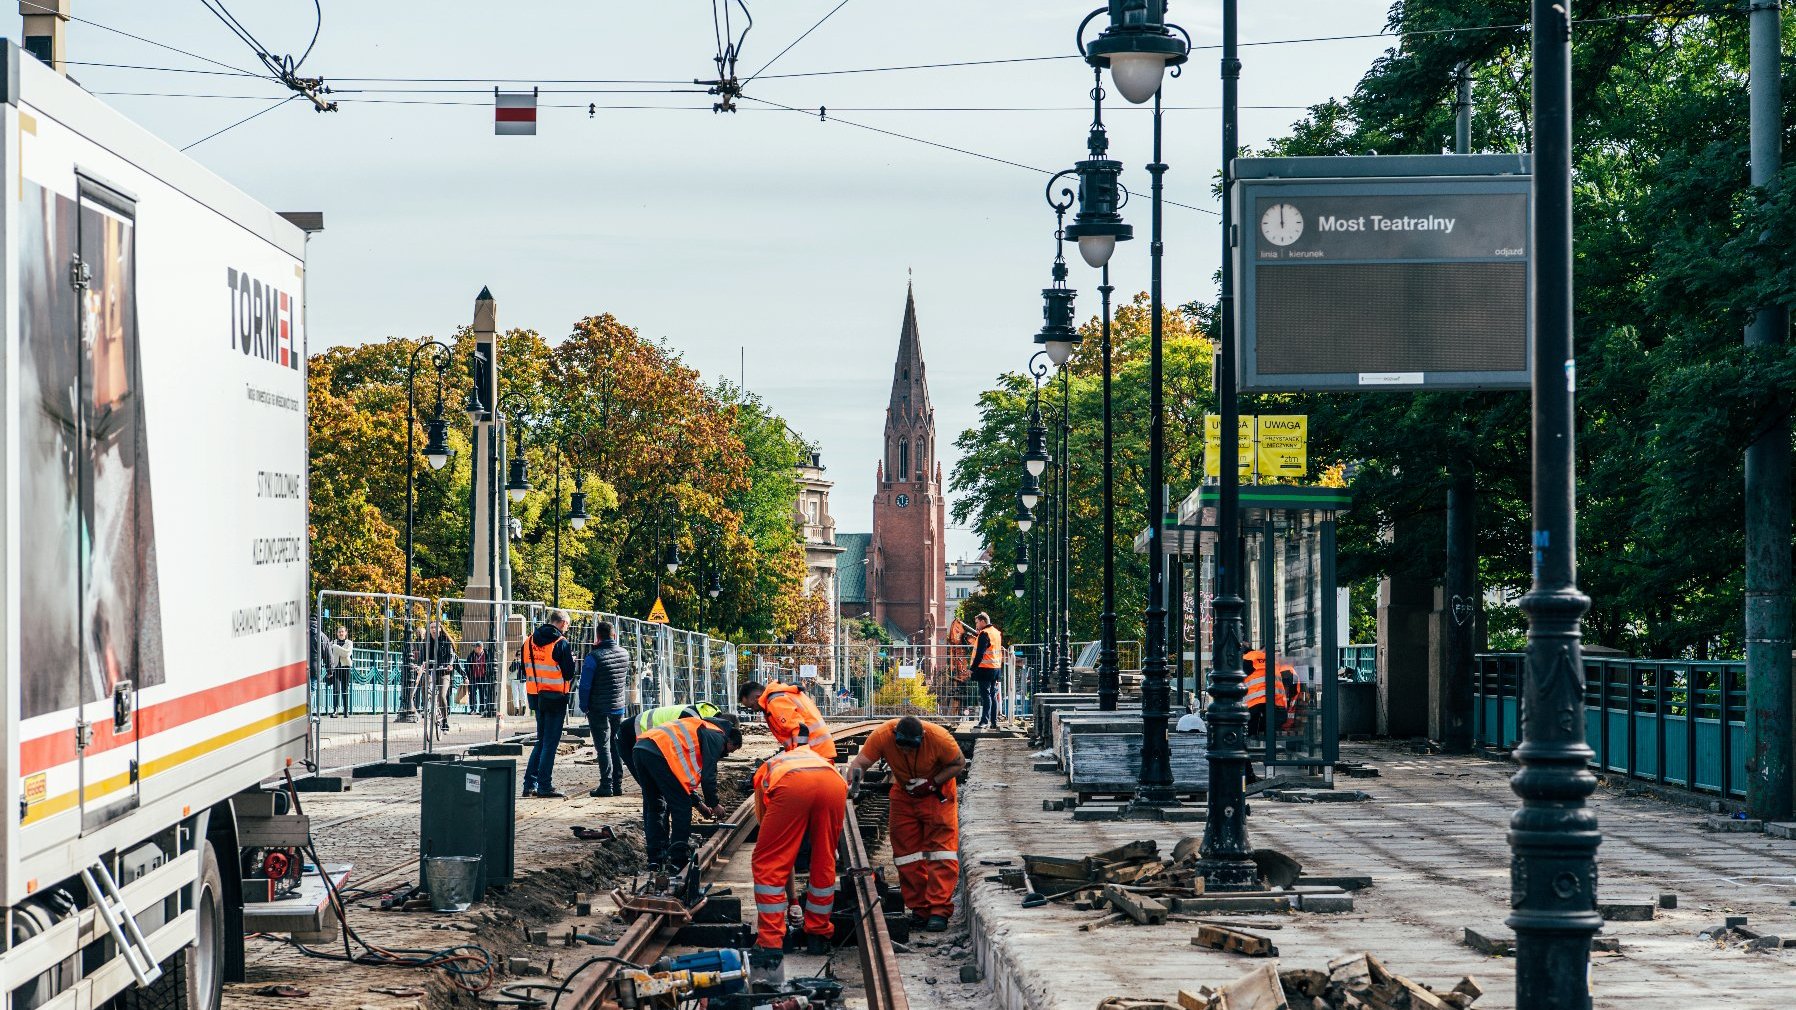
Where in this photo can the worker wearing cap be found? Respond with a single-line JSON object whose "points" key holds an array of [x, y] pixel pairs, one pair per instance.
{"points": [[676, 766], [797, 793], [924, 819], [791, 715]]}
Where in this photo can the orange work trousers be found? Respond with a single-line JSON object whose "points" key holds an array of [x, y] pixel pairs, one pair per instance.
{"points": [[804, 803], [926, 849]]}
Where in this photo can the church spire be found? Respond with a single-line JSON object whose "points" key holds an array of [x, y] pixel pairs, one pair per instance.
{"points": [[910, 391]]}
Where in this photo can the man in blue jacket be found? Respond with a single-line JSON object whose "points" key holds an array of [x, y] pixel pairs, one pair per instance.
{"points": [[604, 696]]}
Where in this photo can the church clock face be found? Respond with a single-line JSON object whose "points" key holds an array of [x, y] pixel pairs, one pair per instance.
{"points": [[903, 501]]}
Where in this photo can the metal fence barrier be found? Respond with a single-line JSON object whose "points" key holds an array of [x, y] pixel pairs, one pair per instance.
{"points": [[1671, 722], [853, 681], [386, 686]]}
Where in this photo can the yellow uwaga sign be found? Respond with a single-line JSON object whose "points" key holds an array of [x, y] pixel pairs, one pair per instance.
{"points": [[1271, 445], [657, 613]]}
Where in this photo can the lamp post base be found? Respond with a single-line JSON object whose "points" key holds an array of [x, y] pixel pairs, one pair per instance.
{"points": [[1229, 875]]}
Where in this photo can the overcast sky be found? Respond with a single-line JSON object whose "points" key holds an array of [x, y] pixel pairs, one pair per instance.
{"points": [[767, 232]]}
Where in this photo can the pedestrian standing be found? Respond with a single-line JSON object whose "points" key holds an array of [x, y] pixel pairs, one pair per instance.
{"points": [[479, 671], [439, 670], [798, 796], [342, 659], [676, 766], [604, 685], [548, 674], [924, 820], [988, 661]]}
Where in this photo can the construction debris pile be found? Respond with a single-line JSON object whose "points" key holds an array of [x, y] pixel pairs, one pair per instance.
{"points": [[1134, 883], [1353, 982]]}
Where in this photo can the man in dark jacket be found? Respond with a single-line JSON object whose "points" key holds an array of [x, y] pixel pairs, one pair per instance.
{"points": [[439, 670], [604, 697], [548, 674]]}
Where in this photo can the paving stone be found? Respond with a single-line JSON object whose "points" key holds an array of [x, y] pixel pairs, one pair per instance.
{"points": [[1491, 941], [1734, 825], [1605, 944], [1626, 909], [1324, 903], [1668, 900], [1099, 812]]}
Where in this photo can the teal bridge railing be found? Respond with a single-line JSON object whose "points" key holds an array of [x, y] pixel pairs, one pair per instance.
{"points": [[1671, 722]]}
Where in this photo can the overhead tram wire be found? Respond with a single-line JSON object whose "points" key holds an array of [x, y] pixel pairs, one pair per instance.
{"points": [[957, 64], [277, 104], [806, 34], [677, 108], [284, 68], [948, 147], [160, 45]]}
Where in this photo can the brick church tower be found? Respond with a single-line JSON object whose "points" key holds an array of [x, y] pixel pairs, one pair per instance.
{"points": [[907, 584]]}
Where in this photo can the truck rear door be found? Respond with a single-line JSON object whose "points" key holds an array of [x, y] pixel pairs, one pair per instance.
{"points": [[115, 535]]}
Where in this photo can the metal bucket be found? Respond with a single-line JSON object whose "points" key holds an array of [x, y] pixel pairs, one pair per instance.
{"points": [[451, 881]]}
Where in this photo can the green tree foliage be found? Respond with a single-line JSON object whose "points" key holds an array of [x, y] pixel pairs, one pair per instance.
{"points": [[990, 468], [1669, 265], [659, 455]]}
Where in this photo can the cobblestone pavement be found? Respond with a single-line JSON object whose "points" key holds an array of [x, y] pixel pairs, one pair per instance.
{"points": [[1432, 838]]}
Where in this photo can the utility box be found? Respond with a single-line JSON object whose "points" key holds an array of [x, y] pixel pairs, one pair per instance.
{"points": [[469, 808]]}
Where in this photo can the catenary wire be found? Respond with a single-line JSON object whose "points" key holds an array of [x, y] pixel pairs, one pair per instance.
{"points": [[796, 41], [696, 108], [950, 147], [277, 104], [160, 45]]}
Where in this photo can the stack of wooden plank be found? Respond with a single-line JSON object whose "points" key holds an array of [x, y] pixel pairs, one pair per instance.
{"points": [[1353, 982]]}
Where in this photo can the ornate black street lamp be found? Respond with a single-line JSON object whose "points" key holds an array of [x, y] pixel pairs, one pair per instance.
{"points": [[1227, 857], [1137, 47], [1097, 227], [668, 552], [1553, 838], [576, 516], [1058, 337], [436, 445]]}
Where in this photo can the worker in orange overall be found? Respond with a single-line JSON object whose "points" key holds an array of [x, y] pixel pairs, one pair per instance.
{"points": [[797, 795], [925, 818], [1255, 701], [791, 715]]}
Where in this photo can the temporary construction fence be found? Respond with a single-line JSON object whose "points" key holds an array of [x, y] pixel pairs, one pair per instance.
{"points": [[397, 674], [880, 680]]}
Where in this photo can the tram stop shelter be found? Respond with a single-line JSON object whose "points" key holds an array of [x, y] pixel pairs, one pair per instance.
{"points": [[1288, 564]]}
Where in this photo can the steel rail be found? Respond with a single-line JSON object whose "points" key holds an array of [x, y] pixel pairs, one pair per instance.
{"points": [[644, 939]]}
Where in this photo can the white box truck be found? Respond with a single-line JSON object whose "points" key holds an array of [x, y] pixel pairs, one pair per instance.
{"points": [[153, 577]]}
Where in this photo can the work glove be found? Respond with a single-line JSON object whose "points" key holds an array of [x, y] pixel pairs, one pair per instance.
{"points": [[919, 787], [855, 774]]}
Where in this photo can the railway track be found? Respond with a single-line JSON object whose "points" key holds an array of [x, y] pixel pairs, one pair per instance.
{"points": [[649, 936]]}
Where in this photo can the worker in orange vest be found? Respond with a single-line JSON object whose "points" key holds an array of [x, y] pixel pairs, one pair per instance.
{"points": [[548, 664], [791, 715], [1256, 692], [798, 795], [925, 819], [676, 766], [988, 661]]}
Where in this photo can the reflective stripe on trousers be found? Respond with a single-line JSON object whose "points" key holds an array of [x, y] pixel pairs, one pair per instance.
{"points": [[932, 857], [770, 900]]}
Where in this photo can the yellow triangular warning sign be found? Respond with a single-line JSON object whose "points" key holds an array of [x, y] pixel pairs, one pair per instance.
{"points": [[657, 613]]}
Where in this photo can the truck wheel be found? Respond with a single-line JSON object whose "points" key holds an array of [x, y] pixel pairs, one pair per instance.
{"points": [[192, 979]]}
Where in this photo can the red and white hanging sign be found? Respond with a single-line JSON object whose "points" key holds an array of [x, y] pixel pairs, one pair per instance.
{"points": [[514, 113]]}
